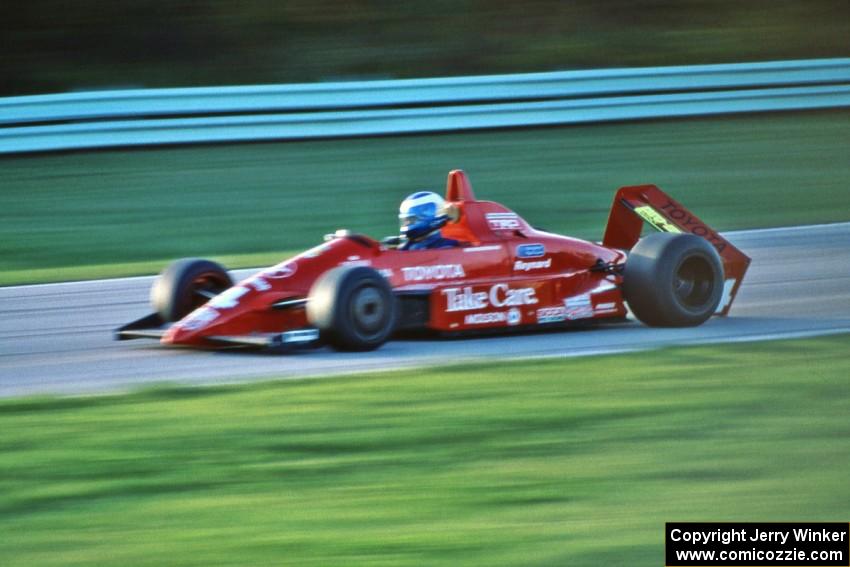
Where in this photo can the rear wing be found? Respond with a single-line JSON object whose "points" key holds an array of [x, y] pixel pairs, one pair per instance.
{"points": [[647, 203]]}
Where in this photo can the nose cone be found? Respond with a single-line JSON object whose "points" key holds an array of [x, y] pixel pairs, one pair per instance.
{"points": [[177, 336], [190, 331]]}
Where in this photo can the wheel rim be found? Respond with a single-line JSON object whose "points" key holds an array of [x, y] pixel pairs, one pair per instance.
{"points": [[693, 283], [368, 310]]}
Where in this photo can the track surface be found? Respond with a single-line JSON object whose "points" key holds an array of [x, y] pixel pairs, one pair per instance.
{"points": [[57, 338]]}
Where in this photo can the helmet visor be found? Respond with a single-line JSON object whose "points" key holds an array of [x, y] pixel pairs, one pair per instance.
{"points": [[407, 219]]}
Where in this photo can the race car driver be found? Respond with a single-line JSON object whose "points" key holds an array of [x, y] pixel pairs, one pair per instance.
{"points": [[420, 216]]}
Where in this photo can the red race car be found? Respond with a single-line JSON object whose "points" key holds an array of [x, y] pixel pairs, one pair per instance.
{"points": [[354, 293]]}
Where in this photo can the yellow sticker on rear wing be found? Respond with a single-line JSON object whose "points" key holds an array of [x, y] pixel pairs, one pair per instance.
{"points": [[656, 219]]}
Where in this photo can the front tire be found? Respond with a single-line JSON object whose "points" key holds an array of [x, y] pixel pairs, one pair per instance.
{"points": [[673, 280], [353, 307], [185, 285]]}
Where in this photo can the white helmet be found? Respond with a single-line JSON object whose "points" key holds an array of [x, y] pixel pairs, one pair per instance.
{"points": [[420, 214]]}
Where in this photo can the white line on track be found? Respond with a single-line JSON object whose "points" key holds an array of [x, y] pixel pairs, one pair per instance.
{"points": [[813, 227]]}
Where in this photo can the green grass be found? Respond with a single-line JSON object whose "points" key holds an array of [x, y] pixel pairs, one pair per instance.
{"points": [[128, 212], [552, 462]]}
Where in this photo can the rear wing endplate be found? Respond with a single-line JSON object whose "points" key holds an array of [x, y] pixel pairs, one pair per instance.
{"points": [[647, 203]]}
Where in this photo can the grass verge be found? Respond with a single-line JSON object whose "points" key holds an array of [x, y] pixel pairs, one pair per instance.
{"points": [[130, 212], [549, 462]]}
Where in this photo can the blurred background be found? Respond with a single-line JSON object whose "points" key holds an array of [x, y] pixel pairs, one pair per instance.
{"points": [[53, 45], [122, 212]]}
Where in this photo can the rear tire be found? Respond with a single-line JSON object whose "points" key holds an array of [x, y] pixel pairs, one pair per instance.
{"points": [[673, 280], [185, 285], [353, 307]]}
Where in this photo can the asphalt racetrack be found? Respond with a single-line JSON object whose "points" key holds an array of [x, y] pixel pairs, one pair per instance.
{"points": [[57, 338]]}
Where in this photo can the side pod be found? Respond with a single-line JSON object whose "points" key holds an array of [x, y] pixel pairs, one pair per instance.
{"points": [[635, 205]]}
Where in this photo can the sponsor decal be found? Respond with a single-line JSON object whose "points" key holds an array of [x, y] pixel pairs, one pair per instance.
{"points": [[578, 300], [656, 219], [552, 314], [357, 263], [606, 307], [693, 225], [530, 250], [579, 307], [259, 283], [282, 271], [502, 221], [514, 316], [521, 266], [485, 318], [300, 336], [438, 272], [199, 317], [229, 298], [386, 272], [511, 317], [482, 248], [499, 295]]}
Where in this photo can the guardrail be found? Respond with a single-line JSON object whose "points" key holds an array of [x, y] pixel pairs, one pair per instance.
{"points": [[289, 112]]}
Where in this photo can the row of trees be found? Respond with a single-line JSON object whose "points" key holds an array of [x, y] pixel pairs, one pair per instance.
{"points": [[56, 45]]}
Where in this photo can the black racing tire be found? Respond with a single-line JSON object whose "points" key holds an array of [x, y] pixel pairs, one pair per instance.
{"points": [[185, 285], [353, 307], [673, 280]]}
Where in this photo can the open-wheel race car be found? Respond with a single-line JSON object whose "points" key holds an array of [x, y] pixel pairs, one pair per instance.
{"points": [[353, 292]]}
